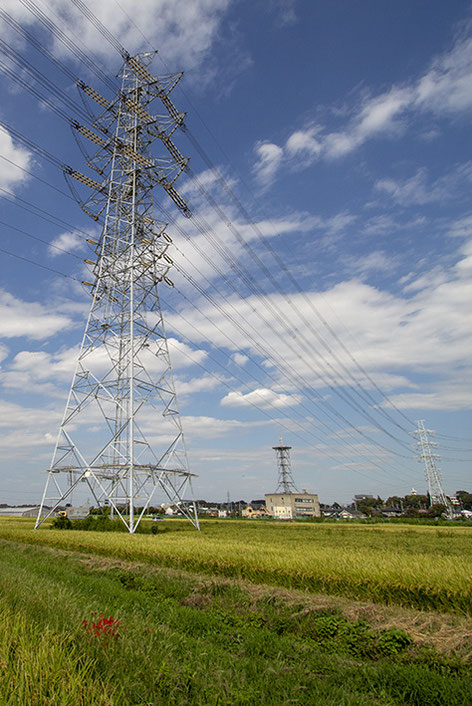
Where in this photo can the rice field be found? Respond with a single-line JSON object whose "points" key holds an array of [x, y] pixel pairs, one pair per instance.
{"points": [[423, 567], [92, 627], [104, 618]]}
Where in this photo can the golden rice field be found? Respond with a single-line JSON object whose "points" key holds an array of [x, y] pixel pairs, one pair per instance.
{"points": [[425, 567]]}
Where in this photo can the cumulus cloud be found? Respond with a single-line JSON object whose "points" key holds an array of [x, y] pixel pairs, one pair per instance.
{"points": [[205, 383], [28, 319], [240, 358], [262, 397], [41, 372]]}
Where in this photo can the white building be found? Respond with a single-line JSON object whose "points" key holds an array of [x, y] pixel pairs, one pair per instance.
{"points": [[290, 506]]}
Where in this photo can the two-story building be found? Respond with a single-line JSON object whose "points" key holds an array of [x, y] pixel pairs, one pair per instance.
{"points": [[291, 506]]}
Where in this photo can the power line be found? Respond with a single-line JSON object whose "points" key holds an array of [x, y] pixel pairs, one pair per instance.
{"points": [[77, 257], [235, 232], [82, 4], [54, 160], [38, 264]]}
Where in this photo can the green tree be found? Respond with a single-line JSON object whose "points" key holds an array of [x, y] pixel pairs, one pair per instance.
{"points": [[437, 510], [465, 499]]}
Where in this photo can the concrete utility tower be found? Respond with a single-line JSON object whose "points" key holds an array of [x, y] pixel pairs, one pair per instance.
{"points": [[432, 472], [286, 484], [121, 432]]}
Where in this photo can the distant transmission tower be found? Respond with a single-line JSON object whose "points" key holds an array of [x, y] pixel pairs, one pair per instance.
{"points": [[121, 432], [432, 472], [286, 484]]}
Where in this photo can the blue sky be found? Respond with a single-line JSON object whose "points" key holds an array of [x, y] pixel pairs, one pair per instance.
{"points": [[343, 283]]}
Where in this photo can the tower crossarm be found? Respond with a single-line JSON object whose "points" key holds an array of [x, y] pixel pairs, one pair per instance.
{"points": [[92, 93], [90, 135], [84, 179]]}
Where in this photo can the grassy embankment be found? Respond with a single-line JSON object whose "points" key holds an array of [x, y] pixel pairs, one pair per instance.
{"points": [[183, 639]]}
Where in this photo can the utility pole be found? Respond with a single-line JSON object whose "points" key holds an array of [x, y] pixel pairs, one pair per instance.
{"points": [[121, 432], [432, 472], [286, 483]]}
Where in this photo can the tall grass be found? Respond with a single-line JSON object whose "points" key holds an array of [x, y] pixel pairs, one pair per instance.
{"points": [[40, 666], [420, 567]]}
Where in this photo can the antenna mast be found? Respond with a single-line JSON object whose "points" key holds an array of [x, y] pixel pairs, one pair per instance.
{"points": [[286, 484], [121, 432]]}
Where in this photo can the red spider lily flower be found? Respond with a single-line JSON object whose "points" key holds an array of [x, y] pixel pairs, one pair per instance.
{"points": [[105, 627]]}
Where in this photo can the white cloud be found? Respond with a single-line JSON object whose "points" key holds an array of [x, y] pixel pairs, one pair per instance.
{"points": [[14, 416], [70, 240], [205, 383], [444, 89], [239, 358], [29, 319], [197, 428], [183, 32], [41, 372], [375, 116], [182, 355], [202, 245], [419, 189], [447, 86], [304, 143], [426, 331], [461, 228], [3, 352], [263, 398], [269, 158], [286, 13], [26, 433], [11, 175], [377, 261], [408, 191], [445, 397]]}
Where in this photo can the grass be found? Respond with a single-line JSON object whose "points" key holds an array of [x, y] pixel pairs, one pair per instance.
{"points": [[184, 639], [424, 567], [40, 666]]}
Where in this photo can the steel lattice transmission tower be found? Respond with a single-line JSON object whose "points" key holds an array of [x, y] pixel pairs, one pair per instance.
{"points": [[432, 472], [286, 484], [121, 432]]}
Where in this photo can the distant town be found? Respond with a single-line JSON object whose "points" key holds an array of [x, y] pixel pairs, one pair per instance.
{"points": [[290, 506]]}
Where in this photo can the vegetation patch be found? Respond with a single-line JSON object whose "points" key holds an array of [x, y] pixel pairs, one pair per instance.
{"points": [[161, 636]]}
